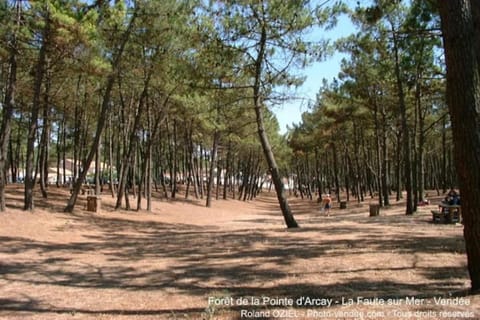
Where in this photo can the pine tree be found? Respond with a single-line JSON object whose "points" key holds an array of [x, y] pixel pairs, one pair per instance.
{"points": [[462, 43]]}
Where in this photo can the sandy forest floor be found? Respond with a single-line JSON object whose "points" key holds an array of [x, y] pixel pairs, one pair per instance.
{"points": [[235, 260]]}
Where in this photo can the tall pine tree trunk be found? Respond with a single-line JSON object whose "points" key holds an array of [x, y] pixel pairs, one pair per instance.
{"points": [[45, 139], [385, 162], [267, 149], [33, 126], [462, 44], [407, 162], [212, 167], [131, 151], [8, 107], [226, 178]]}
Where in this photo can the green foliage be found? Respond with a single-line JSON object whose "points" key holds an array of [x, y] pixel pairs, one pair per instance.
{"points": [[197, 62], [360, 110]]}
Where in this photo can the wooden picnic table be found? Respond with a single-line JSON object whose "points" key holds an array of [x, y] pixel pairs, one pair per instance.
{"points": [[447, 213], [86, 189]]}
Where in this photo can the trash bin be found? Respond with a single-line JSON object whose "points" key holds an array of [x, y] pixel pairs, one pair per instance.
{"points": [[343, 204], [374, 210], [93, 203]]}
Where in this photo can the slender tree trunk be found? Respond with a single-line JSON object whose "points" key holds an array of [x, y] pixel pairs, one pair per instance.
{"points": [[171, 159], [385, 173], [212, 168], [9, 103], [14, 153], [244, 167], [174, 161], [148, 178], [444, 155], [58, 149], [318, 170], [162, 171], [45, 138], [398, 166], [33, 126], [299, 180], [405, 129], [267, 150], [98, 169], [134, 169], [64, 149], [130, 154], [148, 155], [421, 147], [110, 157], [219, 177], [188, 158], [378, 147], [127, 187], [362, 173], [414, 146], [127, 114], [347, 174], [335, 170], [200, 173], [226, 178], [143, 172]]}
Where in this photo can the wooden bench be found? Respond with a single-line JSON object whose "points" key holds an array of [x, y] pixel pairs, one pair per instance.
{"points": [[87, 189], [438, 217], [453, 216]]}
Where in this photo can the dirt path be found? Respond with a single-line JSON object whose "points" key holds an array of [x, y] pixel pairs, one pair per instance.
{"points": [[233, 261]]}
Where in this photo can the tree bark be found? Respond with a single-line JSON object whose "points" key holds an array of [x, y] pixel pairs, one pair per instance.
{"points": [[405, 128], [444, 155], [33, 126], [213, 160], [110, 158], [385, 163], [378, 147], [336, 179], [226, 177], [131, 151], [45, 139], [267, 150], [9, 102], [98, 170], [461, 42]]}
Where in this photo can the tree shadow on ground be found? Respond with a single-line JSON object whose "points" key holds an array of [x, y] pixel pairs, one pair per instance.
{"points": [[149, 255], [33, 305], [366, 288], [208, 259]]}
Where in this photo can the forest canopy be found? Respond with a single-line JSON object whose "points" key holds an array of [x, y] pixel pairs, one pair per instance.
{"points": [[154, 94]]}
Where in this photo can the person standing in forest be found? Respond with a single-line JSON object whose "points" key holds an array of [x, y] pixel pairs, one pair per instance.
{"points": [[327, 204]]}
